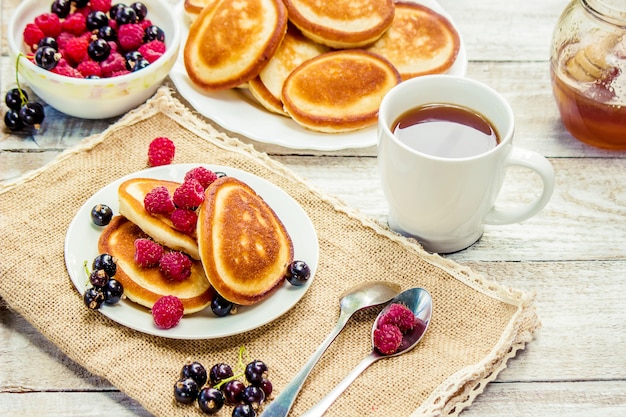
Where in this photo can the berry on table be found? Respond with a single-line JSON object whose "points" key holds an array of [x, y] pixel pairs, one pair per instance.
{"points": [[196, 371], [167, 312], [243, 410], [186, 391], [32, 114], [255, 372], [253, 396], [161, 151], [233, 391], [210, 400], [219, 372], [16, 98], [12, 120]]}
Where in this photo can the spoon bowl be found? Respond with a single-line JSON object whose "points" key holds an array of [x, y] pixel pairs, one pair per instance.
{"points": [[361, 296], [419, 301]]}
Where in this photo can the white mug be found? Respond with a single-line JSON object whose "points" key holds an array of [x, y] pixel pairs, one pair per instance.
{"points": [[445, 202]]}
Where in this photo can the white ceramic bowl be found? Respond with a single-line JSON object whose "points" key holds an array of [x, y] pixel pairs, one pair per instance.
{"points": [[94, 98]]}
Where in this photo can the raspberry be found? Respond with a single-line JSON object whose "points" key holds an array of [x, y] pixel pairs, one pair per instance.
{"points": [[189, 195], [175, 266], [89, 68], [76, 49], [152, 50], [398, 315], [119, 73], [167, 311], [63, 68], [115, 62], [161, 151], [32, 35], [387, 339], [147, 252], [204, 176], [145, 23], [75, 24], [101, 5], [49, 23], [158, 201], [184, 220], [63, 38], [130, 36]]}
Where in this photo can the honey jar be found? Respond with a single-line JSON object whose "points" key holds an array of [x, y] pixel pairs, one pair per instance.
{"points": [[588, 71]]}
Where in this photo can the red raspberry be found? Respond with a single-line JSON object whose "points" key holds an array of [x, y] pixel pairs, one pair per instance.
{"points": [[152, 50], [161, 151], [89, 68], [398, 315], [32, 35], [119, 73], [147, 253], [76, 50], [189, 195], [114, 63], [84, 10], [75, 24], [184, 220], [49, 23], [63, 38], [67, 70], [145, 23], [130, 36], [387, 339], [101, 5], [158, 201], [202, 175], [167, 311], [175, 265]]}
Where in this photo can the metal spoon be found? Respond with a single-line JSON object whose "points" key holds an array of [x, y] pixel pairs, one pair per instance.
{"points": [[420, 302], [353, 300]]}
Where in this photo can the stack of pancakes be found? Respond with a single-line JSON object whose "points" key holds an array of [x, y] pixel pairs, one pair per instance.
{"points": [[240, 248], [326, 65]]}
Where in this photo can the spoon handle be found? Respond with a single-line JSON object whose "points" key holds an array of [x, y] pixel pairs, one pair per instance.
{"points": [[320, 408], [280, 406]]}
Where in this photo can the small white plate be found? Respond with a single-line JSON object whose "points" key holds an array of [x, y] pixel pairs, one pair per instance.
{"points": [[81, 244], [237, 111]]}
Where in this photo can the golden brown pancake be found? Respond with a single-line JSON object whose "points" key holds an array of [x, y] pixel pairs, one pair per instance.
{"points": [[145, 286], [244, 246], [419, 41], [341, 23], [230, 42], [131, 194], [294, 50], [339, 91]]}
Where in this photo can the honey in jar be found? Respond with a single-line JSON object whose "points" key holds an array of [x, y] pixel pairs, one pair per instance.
{"points": [[588, 71]]}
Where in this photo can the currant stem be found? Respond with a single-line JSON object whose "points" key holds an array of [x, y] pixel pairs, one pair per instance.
{"points": [[23, 98]]}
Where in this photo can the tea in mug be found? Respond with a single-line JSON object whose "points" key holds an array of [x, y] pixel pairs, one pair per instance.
{"points": [[446, 131]]}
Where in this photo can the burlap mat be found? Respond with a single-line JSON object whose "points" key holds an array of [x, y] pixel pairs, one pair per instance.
{"points": [[477, 324]]}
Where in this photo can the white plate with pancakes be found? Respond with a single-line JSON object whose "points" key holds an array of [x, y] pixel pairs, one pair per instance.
{"points": [[237, 111], [81, 244]]}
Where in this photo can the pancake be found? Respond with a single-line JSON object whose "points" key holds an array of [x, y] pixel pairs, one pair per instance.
{"points": [[338, 91], [131, 194], [341, 23], [419, 41], [244, 247], [194, 7], [293, 51], [145, 286], [230, 42]]}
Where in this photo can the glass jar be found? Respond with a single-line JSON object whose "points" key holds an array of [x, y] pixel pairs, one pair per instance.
{"points": [[588, 71]]}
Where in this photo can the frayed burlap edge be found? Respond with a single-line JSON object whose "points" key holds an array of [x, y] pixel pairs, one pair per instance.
{"points": [[461, 388]]}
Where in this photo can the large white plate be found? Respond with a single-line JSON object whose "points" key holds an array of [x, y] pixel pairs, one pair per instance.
{"points": [[238, 112], [81, 244]]}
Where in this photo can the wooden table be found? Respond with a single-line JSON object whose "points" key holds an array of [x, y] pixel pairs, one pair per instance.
{"points": [[573, 254]]}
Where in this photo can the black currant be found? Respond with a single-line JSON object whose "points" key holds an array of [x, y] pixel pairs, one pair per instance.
{"points": [[195, 371], [48, 41], [154, 33], [14, 99], [80, 3], [132, 58], [96, 19], [219, 372], [243, 410], [12, 120], [98, 278], [106, 262], [140, 9], [47, 57], [32, 113], [220, 306], [125, 15], [298, 273], [113, 291], [141, 64], [93, 297], [220, 174], [101, 214], [255, 372], [186, 391], [254, 396], [61, 8], [114, 9], [233, 391], [99, 50], [210, 400], [267, 387], [107, 33]]}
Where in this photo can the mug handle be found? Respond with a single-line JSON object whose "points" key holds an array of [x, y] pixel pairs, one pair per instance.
{"points": [[540, 165]]}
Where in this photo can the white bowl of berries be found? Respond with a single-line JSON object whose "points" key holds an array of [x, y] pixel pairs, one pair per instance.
{"points": [[93, 59]]}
